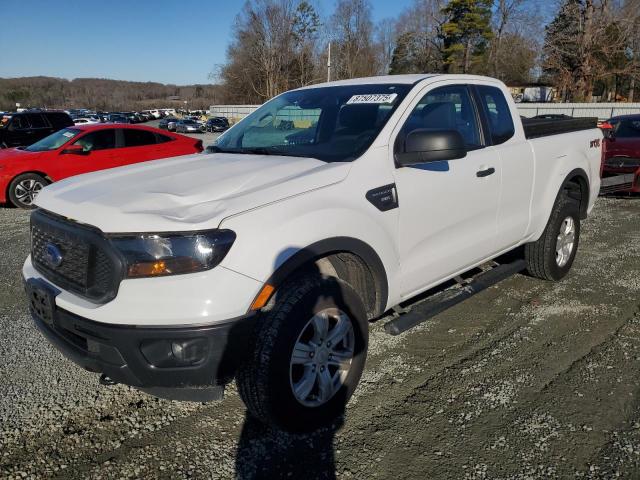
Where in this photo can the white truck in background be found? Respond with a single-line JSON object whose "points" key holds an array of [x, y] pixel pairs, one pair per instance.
{"points": [[265, 259]]}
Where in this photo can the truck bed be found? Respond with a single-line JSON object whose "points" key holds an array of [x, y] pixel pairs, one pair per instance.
{"points": [[543, 127]]}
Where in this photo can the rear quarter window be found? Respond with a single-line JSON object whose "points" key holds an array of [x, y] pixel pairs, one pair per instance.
{"points": [[498, 114], [138, 138], [163, 138], [59, 119]]}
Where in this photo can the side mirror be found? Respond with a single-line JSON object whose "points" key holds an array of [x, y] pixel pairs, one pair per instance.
{"points": [[423, 146], [74, 150]]}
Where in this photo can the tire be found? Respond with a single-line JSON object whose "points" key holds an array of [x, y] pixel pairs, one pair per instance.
{"points": [[542, 256], [24, 188], [266, 379]]}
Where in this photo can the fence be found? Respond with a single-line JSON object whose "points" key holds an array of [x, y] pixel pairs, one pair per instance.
{"points": [[600, 110]]}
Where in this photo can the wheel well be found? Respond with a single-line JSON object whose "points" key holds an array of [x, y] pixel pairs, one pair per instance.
{"points": [[363, 270], [42, 174], [576, 187]]}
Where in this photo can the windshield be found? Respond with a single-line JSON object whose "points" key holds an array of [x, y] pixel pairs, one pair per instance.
{"points": [[53, 141], [334, 124], [628, 128]]}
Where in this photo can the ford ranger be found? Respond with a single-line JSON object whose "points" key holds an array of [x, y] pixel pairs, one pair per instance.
{"points": [[265, 259]]}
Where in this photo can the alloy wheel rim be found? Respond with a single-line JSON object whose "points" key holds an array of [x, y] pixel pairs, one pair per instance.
{"points": [[27, 190], [322, 357], [565, 241]]}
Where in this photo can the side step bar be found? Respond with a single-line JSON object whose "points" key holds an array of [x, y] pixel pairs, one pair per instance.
{"points": [[448, 298]]}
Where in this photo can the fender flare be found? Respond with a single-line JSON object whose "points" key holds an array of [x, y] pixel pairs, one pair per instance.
{"points": [[585, 193], [328, 246]]}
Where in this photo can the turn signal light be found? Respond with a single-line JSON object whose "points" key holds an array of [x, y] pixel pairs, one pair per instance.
{"points": [[263, 297]]}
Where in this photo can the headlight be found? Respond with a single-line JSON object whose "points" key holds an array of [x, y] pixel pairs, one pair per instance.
{"points": [[149, 255]]}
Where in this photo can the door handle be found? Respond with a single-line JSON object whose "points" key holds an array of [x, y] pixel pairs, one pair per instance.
{"points": [[486, 172]]}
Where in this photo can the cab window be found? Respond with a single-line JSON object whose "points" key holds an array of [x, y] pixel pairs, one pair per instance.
{"points": [[98, 140], [446, 108]]}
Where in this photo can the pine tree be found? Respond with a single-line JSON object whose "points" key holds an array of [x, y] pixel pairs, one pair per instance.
{"points": [[466, 33], [561, 51], [401, 58]]}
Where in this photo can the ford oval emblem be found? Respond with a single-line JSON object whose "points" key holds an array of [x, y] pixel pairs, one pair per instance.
{"points": [[52, 255]]}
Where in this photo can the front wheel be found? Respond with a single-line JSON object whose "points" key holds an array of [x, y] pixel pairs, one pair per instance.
{"points": [[552, 255], [24, 189], [307, 356]]}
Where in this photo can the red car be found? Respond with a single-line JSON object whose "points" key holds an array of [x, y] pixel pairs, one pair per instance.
{"points": [[24, 171], [621, 155]]}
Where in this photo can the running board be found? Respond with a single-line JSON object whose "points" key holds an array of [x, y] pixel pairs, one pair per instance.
{"points": [[448, 298]]}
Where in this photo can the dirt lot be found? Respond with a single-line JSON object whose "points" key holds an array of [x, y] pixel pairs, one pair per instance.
{"points": [[526, 380]]}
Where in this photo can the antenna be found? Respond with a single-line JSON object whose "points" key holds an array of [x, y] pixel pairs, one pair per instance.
{"points": [[329, 64]]}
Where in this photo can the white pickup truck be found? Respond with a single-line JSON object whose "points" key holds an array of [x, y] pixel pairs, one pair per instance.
{"points": [[328, 206]]}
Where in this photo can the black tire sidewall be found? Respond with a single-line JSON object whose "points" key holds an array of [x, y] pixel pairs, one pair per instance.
{"points": [[566, 208], [12, 186], [283, 408]]}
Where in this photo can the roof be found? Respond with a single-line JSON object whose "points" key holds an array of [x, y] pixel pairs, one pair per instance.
{"points": [[629, 116], [408, 79], [102, 126]]}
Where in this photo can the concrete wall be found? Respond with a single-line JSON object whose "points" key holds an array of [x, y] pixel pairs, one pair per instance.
{"points": [[600, 110]]}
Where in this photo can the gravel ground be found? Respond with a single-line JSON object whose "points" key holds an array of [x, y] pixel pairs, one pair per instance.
{"points": [[528, 379]]}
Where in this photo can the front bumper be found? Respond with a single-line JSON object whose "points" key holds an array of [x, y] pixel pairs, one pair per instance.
{"points": [[144, 357]]}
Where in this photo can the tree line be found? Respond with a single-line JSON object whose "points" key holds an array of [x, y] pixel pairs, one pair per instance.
{"points": [[587, 49], [102, 94]]}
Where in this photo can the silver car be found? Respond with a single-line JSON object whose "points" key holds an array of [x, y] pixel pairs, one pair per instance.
{"points": [[189, 126]]}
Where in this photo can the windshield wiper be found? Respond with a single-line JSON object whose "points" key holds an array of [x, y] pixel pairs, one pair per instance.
{"points": [[243, 151]]}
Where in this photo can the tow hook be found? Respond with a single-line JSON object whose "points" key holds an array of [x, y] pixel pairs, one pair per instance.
{"points": [[106, 380]]}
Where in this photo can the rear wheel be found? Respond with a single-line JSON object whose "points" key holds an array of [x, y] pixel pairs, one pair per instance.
{"points": [[308, 355], [24, 189], [552, 255]]}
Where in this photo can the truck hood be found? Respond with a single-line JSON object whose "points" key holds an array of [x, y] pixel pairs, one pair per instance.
{"points": [[184, 193]]}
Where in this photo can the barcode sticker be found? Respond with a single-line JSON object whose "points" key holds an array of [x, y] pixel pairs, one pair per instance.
{"points": [[373, 98]]}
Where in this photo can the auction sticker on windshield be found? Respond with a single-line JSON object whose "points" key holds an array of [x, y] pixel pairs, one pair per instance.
{"points": [[373, 98]]}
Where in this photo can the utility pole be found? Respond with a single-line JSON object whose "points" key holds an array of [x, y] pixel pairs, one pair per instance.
{"points": [[329, 64]]}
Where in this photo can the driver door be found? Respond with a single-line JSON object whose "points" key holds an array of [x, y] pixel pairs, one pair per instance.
{"points": [[448, 209], [98, 153]]}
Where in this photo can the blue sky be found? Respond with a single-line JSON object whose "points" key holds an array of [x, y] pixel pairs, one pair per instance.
{"points": [[168, 41]]}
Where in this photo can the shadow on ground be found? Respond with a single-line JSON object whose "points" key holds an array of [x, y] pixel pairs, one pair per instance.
{"points": [[265, 453]]}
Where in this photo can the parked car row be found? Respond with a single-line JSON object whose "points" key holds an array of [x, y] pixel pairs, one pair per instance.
{"points": [[83, 115], [192, 124]]}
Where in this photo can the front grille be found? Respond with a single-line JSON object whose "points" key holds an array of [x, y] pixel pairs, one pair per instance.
{"points": [[89, 267]]}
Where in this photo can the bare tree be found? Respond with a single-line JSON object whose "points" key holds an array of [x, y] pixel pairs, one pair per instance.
{"points": [[418, 44], [590, 42], [384, 43], [351, 31]]}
